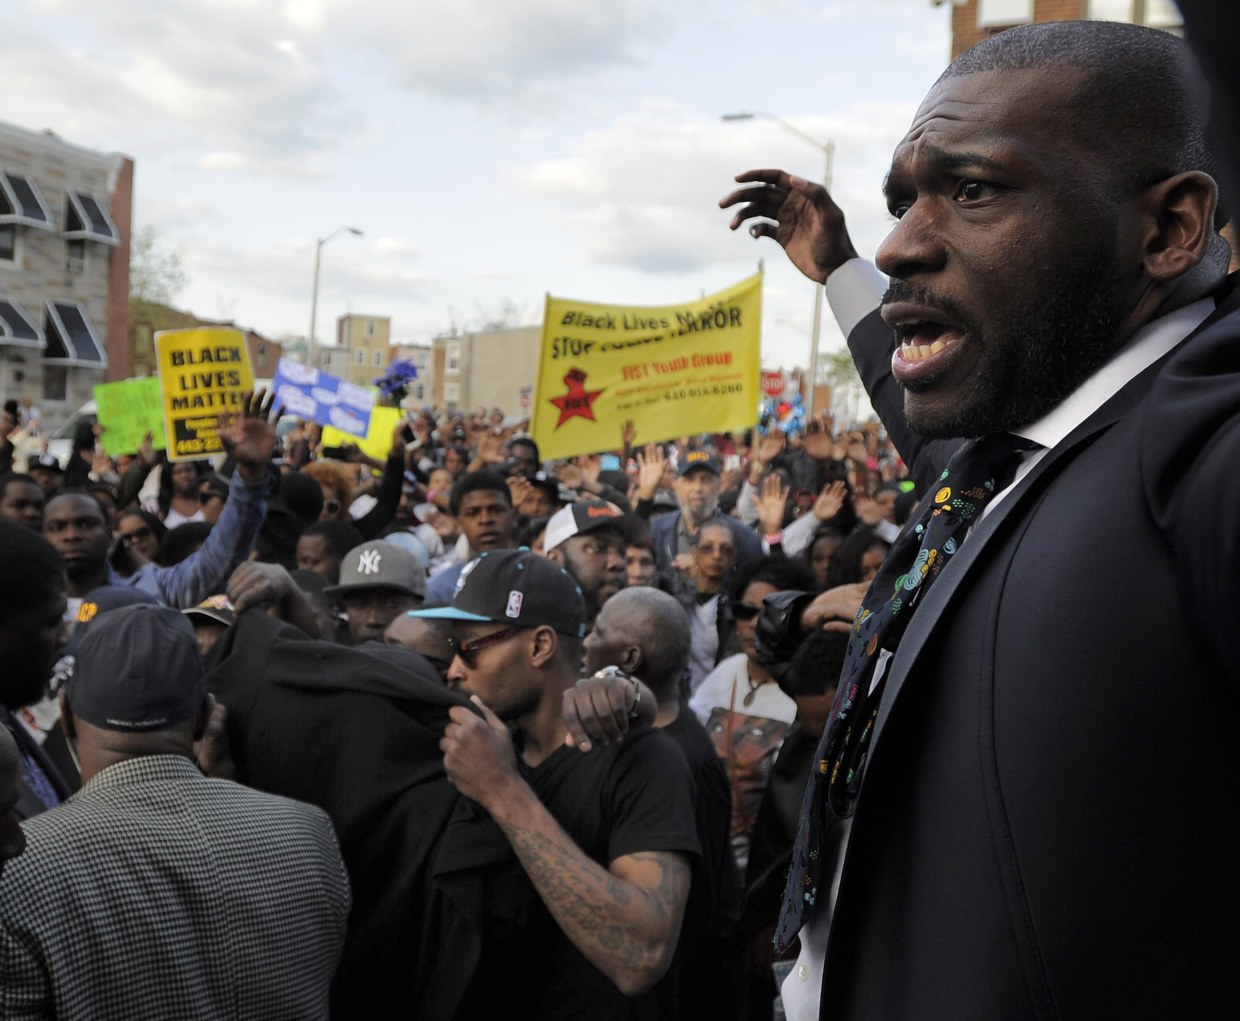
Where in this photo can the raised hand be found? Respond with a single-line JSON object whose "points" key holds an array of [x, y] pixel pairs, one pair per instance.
{"points": [[628, 433], [650, 466], [869, 513], [807, 223], [818, 442], [830, 501], [771, 447], [250, 436], [772, 504]]}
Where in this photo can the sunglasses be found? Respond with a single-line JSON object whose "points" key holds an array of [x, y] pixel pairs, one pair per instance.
{"points": [[745, 611], [467, 650]]}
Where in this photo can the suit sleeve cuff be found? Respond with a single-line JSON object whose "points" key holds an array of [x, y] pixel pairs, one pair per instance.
{"points": [[854, 291]]}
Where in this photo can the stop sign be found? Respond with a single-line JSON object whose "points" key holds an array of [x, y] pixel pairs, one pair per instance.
{"points": [[774, 383]]}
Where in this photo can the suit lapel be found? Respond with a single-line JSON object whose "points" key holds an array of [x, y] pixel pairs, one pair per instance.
{"points": [[999, 523]]}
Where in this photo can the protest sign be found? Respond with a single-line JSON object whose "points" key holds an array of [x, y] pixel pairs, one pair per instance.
{"points": [[377, 442], [128, 409], [203, 373], [675, 369], [316, 396]]}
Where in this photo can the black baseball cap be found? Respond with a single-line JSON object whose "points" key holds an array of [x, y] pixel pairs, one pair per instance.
{"points": [[515, 587], [99, 601], [138, 669], [695, 459]]}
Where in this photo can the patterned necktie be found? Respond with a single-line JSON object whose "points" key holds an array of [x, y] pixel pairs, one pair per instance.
{"points": [[976, 472]]}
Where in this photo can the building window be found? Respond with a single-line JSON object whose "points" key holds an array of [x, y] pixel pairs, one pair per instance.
{"points": [[71, 337], [419, 392], [55, 382], [17, 329], [360, 357], [21, 202], [370, 327], [87, 219], [453, 363], [1154, 13], [76, 261], [1002, 13], [452, 393], [8, 243], [378, 359]]}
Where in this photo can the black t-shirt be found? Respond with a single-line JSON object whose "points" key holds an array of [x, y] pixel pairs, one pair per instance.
{"points": [[615, 801]]}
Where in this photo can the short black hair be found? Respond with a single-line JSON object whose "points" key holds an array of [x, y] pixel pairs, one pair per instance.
{"points": [[60, 494], [340, 536], [1141, 101], [31, 568], [8, 478], [525, 441], [484, 480], [180, 542], [817, 664], [786, 575]]}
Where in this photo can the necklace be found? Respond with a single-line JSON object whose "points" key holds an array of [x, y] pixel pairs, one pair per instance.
{"points": [[753, 688]]}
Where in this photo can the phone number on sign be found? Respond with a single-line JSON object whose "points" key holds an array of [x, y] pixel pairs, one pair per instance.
{"points": [[715, 390], [200, 446]]}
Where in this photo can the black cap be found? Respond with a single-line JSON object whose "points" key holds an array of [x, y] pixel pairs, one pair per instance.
{"points": [[138, 669], [515, 587], [695, 459], [99, 601], [44, 460]]}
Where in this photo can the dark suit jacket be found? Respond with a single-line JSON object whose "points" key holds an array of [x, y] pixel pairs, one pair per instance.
{"points": [[663, 531], [1044, 827], [28, 803]]}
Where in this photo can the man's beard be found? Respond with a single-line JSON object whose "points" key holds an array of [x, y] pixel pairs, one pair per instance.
{"points": [[1036, 355], [698, 520]]}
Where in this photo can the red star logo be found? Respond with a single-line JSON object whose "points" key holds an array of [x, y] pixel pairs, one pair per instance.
{"points": [[578, 401]]}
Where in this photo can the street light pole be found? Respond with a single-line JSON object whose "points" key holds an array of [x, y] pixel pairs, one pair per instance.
{"points": [[314, 292], [828, 150]]}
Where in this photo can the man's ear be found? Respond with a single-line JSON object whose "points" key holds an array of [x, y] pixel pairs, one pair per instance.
{"points": [[556, 556], [66, 715], [631, 659], [544, 646], [203, 716], [1179, 224]]}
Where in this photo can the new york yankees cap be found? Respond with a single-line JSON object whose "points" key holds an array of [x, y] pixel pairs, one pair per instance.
{"points": [[138, 668], [515, 587], [379, 564]]}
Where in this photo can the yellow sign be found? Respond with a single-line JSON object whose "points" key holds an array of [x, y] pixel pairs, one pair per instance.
{"points": [[377, 442], [674, 370], [203, 373]]}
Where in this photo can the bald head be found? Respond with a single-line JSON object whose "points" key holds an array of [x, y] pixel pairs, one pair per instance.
{"points": [[656, 624], [428, 638]]}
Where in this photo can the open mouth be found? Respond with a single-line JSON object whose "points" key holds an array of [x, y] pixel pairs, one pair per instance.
{"points": [[927, 341]]}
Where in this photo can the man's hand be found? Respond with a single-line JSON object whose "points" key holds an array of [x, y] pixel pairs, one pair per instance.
{"points": [[771, 447], [478, 755], [146, 452], [772, 504], [835, 609], [628, 433], [250, 436], [869, 513], [808, 225], [255, 584], [818, 442], [569, 474], [597, 710], [830, 501], [491, 448], [650, 467]]}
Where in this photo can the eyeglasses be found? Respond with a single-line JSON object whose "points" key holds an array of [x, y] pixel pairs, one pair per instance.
{"points": [[467, 650], [207, 495], [138, 535], [745, 611]]}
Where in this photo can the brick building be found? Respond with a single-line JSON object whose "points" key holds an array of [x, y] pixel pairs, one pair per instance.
{"points": [[974, 20], [65, 216], [149, 318]]}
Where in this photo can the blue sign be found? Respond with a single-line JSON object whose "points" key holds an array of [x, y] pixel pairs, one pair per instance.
{"points": [[314, 395]]}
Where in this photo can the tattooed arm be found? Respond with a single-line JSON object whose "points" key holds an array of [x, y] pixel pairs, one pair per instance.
{"points": [[625, 918]]}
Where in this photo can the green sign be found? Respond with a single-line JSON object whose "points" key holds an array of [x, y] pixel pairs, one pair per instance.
{"points": [[128, 410]]}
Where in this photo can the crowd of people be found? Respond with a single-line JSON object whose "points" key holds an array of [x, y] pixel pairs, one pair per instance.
{"points": [[466, 732], [640, 569]]}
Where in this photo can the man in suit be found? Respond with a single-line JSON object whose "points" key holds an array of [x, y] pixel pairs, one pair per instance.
{"points": [[155, 892], [1036, 829]]}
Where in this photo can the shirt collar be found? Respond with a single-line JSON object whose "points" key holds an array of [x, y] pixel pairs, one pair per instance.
{"points": [[1147, 345]]}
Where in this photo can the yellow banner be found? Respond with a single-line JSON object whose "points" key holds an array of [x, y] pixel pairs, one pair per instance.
{"points": [[203, 373], [674, 370]]}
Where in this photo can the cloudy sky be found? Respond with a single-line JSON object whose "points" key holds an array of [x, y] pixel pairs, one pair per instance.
{"points": [[491, 150]]}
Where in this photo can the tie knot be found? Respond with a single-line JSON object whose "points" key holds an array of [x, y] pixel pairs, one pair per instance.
{"points": [[978, 470]]}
